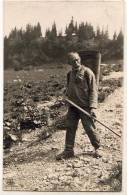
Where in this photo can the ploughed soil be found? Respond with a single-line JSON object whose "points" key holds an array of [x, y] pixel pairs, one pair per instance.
{"points": [[30, 164]]}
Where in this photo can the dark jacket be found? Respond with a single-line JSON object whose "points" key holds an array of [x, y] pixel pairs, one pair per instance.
{"points": [[81, 87]]}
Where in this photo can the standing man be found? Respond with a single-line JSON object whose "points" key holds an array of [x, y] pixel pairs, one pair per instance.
{"points": [[82, 90]]}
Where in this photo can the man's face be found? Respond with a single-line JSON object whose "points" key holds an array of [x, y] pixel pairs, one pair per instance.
{"points": [[74, 63]]}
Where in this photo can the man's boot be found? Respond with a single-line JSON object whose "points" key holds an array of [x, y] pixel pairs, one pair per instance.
{"points": [[69, 144], [98, 152], [65, 155]]}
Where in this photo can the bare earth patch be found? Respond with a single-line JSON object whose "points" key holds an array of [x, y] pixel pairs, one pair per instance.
{"points": [[113, 75]]}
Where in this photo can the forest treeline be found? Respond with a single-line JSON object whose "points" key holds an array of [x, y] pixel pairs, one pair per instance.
{"points": [[28, 47]]}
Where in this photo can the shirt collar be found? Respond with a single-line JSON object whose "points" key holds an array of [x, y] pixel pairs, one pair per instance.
{"points": [[79, 71]]}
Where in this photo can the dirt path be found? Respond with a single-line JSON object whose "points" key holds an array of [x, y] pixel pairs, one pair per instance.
{"points": [[32, 165]]}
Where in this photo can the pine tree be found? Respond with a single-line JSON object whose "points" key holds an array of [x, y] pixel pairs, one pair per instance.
{"points": [[98, 33], [114, 36], [119, 44], [39, 33], [106, 35], [70, 29], [76, 28], [90, 31], [36, 31], [81, 31], [13, 33], [120, 37], [102, 34], [47, 33], [6, 52], [29, 34], [54, 31]]}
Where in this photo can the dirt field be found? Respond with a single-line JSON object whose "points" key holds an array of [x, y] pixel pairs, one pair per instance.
{"points": [[30, 165]]}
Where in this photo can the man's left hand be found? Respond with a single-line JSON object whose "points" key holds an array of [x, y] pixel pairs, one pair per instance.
{"points": [[93, 112]]}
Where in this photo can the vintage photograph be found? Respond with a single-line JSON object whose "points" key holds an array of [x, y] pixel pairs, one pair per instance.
{"points": [[63, 96]]}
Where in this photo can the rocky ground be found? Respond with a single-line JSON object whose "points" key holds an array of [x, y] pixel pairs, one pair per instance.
{"points": [[30, 165]]}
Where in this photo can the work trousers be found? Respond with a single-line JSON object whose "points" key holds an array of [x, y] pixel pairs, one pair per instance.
{"points": [[73, 117]]}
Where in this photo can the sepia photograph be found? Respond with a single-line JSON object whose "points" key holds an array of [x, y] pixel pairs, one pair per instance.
{"points": [[63, 96]]}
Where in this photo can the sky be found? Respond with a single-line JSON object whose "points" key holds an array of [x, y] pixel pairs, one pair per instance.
{"points": [[106, 14]]}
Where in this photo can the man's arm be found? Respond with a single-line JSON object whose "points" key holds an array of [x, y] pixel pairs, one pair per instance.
{"points": [[93, 98], [68, 78]]}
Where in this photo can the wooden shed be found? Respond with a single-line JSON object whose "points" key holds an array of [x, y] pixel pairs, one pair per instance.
{"points": [[92, 59]]}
